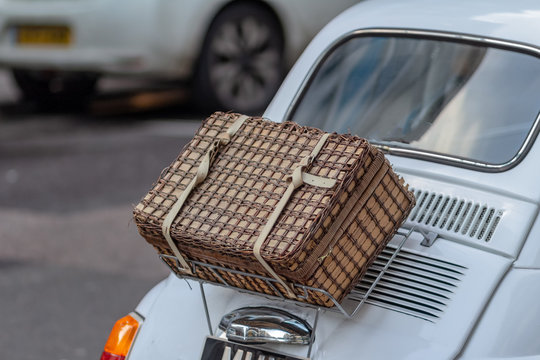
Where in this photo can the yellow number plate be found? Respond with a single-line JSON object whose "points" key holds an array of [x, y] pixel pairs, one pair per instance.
{"points": [[43, 35]]}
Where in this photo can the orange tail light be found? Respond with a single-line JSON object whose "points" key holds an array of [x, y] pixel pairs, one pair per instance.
{"points": [[121, 337]]}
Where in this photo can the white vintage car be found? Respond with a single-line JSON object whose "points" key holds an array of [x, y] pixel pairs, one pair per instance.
{"points": [[235, 52], [450, 92]]}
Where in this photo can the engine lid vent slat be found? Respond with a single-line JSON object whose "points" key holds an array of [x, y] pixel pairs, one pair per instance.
{"points": [[414, 284], [423, 258], [417, 287], [457, 216], [402, 307], [419, 272], [416, 262], [404, 294], [415, 280]]}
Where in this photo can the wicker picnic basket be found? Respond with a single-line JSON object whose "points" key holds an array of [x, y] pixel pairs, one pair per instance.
{"points": [[279, 200]]}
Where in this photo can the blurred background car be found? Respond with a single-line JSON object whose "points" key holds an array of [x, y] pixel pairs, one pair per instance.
{"points": [[233, 54]]}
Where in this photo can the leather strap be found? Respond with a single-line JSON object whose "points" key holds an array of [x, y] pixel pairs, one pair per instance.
{"points": [[202, 171], [296, 180], [355, 203]]}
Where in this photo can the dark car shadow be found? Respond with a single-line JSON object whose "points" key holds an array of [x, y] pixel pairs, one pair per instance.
{"points": [[164, 102]]}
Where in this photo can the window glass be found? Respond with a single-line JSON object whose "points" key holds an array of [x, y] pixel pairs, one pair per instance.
{"points": [[438, 96]]}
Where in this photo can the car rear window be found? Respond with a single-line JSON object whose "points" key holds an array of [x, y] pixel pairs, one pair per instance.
{"points": [[427, 96]]}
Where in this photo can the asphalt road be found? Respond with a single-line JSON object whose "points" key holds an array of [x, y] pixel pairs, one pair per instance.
{"points": [[71, 261]]}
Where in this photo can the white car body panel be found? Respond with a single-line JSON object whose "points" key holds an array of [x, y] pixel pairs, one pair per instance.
{"points": [[371, 329], [505, 329], [493, 310], [158, 38], [529, 258]]}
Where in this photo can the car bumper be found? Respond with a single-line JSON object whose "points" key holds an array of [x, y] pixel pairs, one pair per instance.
{"points": [[94, 60]]}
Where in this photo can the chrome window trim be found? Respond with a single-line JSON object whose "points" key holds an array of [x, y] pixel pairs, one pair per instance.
{"points": [[421, 154]]}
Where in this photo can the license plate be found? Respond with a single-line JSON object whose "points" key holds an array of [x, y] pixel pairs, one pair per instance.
{"points": [[219, 349], [43, 35]]}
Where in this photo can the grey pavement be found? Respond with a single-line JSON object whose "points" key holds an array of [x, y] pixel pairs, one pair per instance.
{"points": [[51, 311], [71, 260]]}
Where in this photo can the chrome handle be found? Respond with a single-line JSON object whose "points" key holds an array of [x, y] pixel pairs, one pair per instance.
{"points": [[265, 325]]}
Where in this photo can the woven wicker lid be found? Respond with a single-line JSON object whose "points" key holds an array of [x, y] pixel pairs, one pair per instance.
{"points": [[248, 177]]}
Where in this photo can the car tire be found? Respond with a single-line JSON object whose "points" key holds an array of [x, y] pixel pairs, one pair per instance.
{"points": [[241, 62], [45, 87]]}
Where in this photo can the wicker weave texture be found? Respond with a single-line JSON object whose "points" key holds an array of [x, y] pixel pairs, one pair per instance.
{"points": [[324, 238]]}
